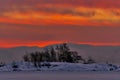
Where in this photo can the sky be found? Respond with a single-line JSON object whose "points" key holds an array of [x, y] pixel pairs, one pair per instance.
{"points": [[46, 22]]}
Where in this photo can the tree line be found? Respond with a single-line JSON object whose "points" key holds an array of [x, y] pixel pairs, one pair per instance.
{"points": [[61, 53]]}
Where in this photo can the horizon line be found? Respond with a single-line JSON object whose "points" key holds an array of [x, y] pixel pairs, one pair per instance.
{"points": [[90, 44]]}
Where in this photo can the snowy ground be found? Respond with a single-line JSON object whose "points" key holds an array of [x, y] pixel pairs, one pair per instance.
{"points": [[60, 71], [59, 75], [57, 66]]}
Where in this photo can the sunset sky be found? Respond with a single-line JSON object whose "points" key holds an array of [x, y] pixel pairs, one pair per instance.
{"points": [[45, 22]]}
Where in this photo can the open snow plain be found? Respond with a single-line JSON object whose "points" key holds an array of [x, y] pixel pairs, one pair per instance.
{"points": [[32, 75]]}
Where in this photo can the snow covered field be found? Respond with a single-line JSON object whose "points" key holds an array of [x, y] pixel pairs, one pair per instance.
{"points": [[59, 75], [59, 66], [60, 71]]}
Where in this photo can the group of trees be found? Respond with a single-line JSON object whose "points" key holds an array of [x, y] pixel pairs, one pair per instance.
{"points": [[61, 53]]}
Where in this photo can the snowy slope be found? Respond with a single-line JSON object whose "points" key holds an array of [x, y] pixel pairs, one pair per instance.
{"points": [[57, 66]]}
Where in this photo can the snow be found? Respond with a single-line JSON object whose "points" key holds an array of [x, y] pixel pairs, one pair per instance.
{"points": [[60, 71], [59, 75], [61, 66]]}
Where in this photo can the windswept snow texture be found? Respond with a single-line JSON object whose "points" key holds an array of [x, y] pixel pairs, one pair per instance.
{"points": [[57, 66]]}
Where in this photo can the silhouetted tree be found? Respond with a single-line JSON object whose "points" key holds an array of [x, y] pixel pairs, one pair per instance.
{"points": [[33, 57], [46, 55], [39, 59], [65, 55], [61, 53], [52, 55], [26, 58]]}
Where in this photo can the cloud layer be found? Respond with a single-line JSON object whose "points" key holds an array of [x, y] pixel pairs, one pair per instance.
{"points": [[43, 22]]}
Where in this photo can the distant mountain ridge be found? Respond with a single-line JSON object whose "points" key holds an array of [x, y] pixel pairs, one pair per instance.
{"points": [[99, 53]]}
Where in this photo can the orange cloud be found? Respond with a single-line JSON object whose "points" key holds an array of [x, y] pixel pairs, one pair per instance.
{"points": [[5, 44], [60, 15]]}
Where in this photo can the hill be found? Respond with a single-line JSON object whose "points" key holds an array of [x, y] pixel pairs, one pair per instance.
{"points": [[99, 53]]}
